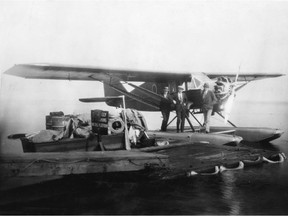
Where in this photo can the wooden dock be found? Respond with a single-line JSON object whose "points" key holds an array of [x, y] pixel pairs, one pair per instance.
{"points": [[47, 164], [60, 164], [167, 162]]}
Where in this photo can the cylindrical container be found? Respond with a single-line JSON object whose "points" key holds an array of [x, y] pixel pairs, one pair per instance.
{"points": [[58, 122]]}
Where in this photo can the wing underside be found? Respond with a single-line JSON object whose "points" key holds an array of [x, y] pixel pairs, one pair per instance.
{"points": [[244, 77], [63, 72], [68, 72], [113, 77], [109, 77]]}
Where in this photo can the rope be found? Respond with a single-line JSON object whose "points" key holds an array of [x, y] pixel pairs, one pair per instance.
{"points": [[130, 161], [45, 160], [162, 163]]}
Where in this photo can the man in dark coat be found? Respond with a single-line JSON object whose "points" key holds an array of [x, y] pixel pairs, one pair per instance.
{"points": [[180, 100], [209, 99], [165, 108]]}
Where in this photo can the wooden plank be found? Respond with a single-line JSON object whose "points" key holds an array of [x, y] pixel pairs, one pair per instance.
{"points": [[53, 164], [63, 156]]}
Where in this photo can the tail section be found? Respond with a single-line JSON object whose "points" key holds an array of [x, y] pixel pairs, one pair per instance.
{"points": [[133, 101], [110, 91]]}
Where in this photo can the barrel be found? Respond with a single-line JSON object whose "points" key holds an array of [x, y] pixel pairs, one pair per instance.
{"points": [[56, 122]]}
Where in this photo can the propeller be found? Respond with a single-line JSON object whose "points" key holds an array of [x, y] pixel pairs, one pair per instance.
{"points": [[230, 101]]}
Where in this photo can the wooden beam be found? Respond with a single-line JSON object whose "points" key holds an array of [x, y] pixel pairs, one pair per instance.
{"points": [[55, 164]]}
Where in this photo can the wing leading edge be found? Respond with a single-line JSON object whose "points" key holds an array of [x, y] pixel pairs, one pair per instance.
{"points": [[66, 72], [246, 77], [70, 72]]}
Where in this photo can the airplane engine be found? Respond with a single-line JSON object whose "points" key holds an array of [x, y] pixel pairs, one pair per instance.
{"points": [[224, 92]]}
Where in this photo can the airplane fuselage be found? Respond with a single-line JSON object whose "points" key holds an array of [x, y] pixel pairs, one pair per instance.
{"points": [[149, 99]]}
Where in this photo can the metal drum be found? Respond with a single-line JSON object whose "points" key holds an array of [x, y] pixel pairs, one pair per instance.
{"points": [[58, 122]]}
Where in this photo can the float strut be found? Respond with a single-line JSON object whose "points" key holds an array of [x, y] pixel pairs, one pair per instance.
{"points": [[187, 117], [227, 120], [195, 118], [172, 120]]}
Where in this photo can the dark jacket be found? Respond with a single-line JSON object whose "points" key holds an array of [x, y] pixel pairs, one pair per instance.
{"points": [[166, 103], [178, 102], [209, 100]]}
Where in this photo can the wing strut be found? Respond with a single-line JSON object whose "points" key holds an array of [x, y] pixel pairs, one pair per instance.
{"points": [[186, 117], [227, 120]]}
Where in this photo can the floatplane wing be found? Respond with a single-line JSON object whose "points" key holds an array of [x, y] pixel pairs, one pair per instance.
{"points": [[69, 72], [66, 72], [246, 77], [112, 79], [147, 95]]}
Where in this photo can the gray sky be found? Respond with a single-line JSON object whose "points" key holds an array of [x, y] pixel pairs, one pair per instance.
{"points": [[203, 36], [171, 35]]}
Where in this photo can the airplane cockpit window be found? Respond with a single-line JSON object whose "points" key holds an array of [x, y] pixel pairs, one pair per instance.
{"points": [[197, 82], [194, 83], [191, 84], [172, 87]]}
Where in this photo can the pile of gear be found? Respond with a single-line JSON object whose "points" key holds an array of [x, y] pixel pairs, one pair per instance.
{"points": [[60, 126]]}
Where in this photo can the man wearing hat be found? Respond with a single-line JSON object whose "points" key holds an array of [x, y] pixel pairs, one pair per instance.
{"points": [[209, 99], [165, 107], [180, 100]]}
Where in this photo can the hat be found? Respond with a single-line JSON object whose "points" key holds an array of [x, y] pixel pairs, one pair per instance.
{"points": [[166, 89], [206, 85], [180, 87]]}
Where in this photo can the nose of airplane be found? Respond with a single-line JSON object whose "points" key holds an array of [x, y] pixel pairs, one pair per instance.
{"points": [[278, 132], [237, 139]]}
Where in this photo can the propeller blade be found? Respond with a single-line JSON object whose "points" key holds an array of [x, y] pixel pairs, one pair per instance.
{"points": [[230, 100], [228, 108], [237, 75]]}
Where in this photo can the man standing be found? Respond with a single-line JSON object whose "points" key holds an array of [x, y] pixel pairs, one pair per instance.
{"points": [[165, 107], [209, 99], [180, 100]]}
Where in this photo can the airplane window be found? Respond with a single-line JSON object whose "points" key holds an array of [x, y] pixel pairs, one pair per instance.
{"points": [[197, 82], [172, 87], [191, 84], [154, 88]]}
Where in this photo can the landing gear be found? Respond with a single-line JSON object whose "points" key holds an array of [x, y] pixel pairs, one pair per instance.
{"points": [[227, 120], [192, 113], [188, 120]]}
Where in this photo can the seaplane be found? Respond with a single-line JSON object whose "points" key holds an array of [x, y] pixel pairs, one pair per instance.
{"points": [[174, 155], [142, 92]]}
